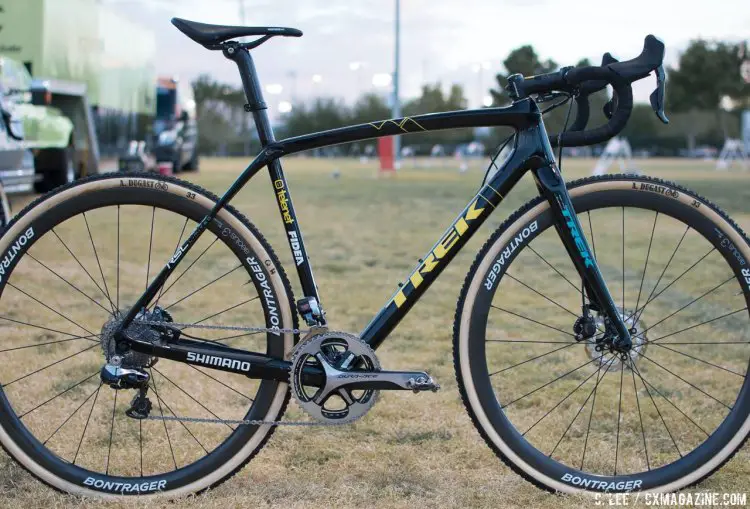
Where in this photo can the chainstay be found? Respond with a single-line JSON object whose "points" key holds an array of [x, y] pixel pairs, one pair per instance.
{"points": [[241, 422]]}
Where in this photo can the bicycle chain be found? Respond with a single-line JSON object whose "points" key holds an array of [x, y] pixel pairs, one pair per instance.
{"points": [[242, 422]]}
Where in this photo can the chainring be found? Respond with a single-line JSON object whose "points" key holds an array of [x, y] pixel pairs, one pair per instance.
{"points": [[335, 353]]}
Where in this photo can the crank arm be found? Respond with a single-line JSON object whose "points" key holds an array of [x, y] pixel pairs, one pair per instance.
{"points": [[388, 380], [343, 381]]}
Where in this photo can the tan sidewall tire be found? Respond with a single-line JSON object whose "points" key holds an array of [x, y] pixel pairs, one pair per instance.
{"points": [[463, 365], [24, 220]]}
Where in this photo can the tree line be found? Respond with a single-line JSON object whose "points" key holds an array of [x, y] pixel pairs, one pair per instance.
{"points": [[705, 96]]}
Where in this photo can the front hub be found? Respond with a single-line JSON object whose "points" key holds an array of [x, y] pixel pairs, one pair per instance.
{"points": [[603, 345]]}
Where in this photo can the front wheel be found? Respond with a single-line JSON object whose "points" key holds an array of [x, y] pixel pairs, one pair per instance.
{"points": [[565, 410], [72, 264]]}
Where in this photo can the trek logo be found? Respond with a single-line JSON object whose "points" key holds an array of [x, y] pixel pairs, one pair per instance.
{"points": [[13, 250], [283, 201], [296, 248], [439, 252], [580, 243], [222, 362]]}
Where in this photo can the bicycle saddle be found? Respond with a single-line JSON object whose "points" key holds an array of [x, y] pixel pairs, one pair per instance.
{"points": [[213, 35]]}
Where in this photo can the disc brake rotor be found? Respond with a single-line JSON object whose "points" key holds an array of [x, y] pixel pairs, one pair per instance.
{"points": [[339, 355]]}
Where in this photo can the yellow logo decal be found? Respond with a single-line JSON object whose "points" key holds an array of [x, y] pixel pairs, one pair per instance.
{"points": [[283, 201], [400, 124], [440, 251]]}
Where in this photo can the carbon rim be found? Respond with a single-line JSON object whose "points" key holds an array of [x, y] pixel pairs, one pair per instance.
{"points": [[552, 434]]}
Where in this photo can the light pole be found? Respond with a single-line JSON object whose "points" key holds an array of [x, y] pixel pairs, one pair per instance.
{"points": [[396, 108]]}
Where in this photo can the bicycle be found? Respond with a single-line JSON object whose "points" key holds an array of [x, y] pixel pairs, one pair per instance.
{"points": [[631, 412]]}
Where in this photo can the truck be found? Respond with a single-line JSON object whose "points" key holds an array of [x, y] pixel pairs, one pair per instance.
{"points": [[58, 127], [82, 78], [173, 136]]}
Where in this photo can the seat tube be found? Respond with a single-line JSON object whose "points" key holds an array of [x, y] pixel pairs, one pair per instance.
{"points": [[257, 106]]}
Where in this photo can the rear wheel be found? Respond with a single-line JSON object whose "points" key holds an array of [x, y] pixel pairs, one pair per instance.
{"points": [[570, 414], [73, 262]]}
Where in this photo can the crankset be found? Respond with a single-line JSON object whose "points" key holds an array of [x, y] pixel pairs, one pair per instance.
{"points": [[352, 377]]}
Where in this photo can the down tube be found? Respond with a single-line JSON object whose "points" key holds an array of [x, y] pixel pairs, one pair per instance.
{"points": [[455, 237]]}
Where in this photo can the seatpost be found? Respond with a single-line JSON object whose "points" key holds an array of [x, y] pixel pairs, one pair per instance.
{"points": [[253, 92]]}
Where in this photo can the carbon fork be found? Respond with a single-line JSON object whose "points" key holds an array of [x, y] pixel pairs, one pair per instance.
{"points": [[552, 187]]}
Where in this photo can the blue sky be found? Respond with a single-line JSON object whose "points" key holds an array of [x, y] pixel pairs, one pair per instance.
{"points": [[442, 40]]}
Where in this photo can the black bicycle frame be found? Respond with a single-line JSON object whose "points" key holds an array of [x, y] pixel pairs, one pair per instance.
{"points": [[531, 152]]}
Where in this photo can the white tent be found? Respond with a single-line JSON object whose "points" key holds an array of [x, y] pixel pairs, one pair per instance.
{"points": [[617, 149]]}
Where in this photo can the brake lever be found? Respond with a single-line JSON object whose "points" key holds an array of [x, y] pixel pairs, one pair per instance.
{"points": [[657, 96]]}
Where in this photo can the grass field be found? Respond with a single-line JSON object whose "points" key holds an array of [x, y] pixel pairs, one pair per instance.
{"points": [[364, 235]]}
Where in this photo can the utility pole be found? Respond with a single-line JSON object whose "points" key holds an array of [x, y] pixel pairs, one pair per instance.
{"points": [[242, 11], [396, 107]]}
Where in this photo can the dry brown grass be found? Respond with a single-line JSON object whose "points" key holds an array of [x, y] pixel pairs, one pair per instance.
{"points": [[364, 235]]}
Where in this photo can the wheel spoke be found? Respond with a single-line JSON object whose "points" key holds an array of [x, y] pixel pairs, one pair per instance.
{"points": [[699, 360], [623, 270], [591, 229], [203, 287], [86, 426], [649, 384], [598, 379], [74, 336], [541, 294], [664, 270], [204, 407], [535, 358], [530, 320], [682, 379], [181, 424], [225, 310], [48, 343], [179, 242], [521, 341], [698, 325], [161, 412], [21, 416], [118, 263], [591, 415], [656, 407], [108, 311], [72, 414], [565, 398], [688, 304], [548, 383], [150, 245], [222, 383], [652, 299], [52, 364], [555, 269], [189, 266], [54, 311], [619, 416], [96, 255], [640, 416], [111, 431], [83, 268], [645, 265]]}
